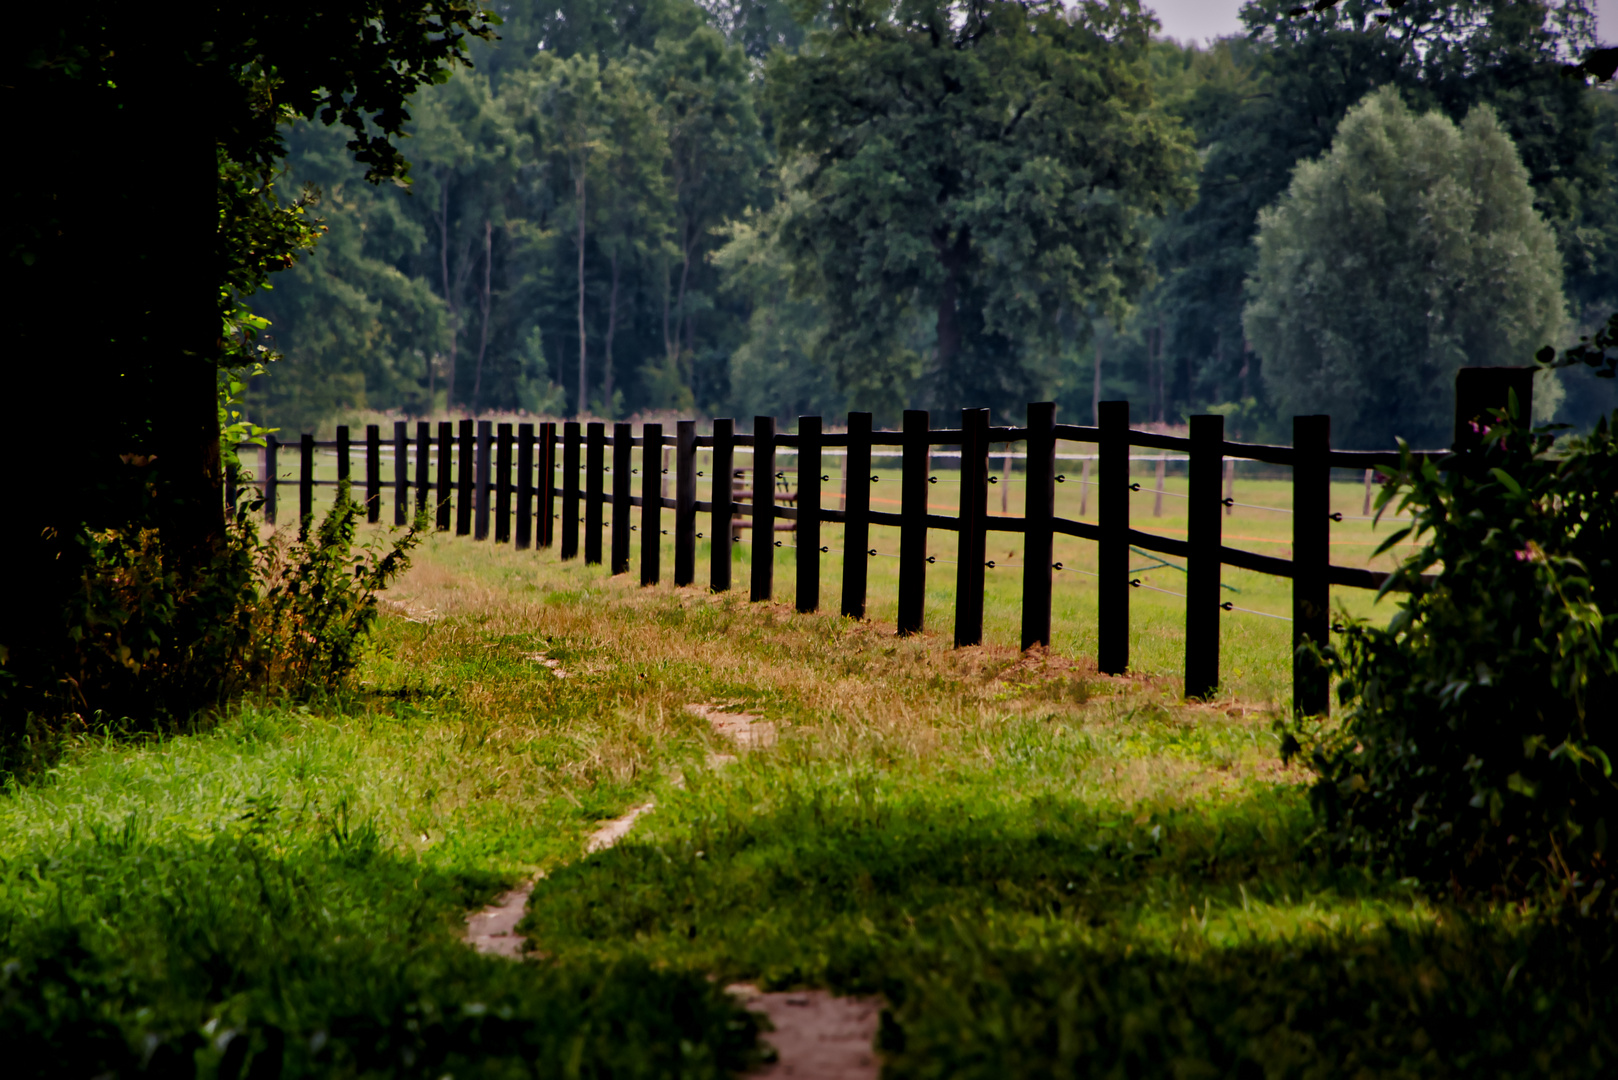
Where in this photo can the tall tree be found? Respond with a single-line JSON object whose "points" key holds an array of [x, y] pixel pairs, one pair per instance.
{"points": [[203, 90], [634, 211], [988, 163], [1412, 248], [716, 161], [1262, 103]]}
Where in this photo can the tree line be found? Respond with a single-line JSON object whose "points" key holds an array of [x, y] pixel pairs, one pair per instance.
{"points": [[627, 207]]}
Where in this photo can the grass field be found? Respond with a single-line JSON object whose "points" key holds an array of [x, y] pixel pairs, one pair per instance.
{"points": [[1043, 871]]}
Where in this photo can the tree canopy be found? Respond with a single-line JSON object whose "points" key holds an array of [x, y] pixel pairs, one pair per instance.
{"points": [[981, 166], [1411, 249]]}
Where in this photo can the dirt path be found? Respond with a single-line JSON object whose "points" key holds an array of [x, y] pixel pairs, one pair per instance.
{"points": [[817, 1036]]}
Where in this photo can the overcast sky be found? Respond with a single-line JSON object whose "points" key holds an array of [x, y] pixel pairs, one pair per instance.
{"points": [[1199, 19]]}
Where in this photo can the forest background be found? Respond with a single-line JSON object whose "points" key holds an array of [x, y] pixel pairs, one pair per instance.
{"points": [[633, 146]]}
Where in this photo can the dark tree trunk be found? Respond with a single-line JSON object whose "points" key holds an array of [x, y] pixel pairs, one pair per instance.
{"points": [[953, 256], [122, 407], [584, 385], [449, 290], [612, 326], [484, 300]]}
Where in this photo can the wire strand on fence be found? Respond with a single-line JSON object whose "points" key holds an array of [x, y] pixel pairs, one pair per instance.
{"points": [[1228, 606], [1139, 584]]}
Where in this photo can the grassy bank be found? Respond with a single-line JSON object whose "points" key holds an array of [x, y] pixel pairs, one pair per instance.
{"points": [[1042, 869]]}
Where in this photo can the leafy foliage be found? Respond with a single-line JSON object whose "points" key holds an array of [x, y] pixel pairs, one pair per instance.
{"points": [[153, 646], [1475, 747], [981, 165], [1262, 103], [257, 949], [1409, 250]]}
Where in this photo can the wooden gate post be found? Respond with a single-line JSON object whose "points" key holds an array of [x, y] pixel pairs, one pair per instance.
{"points": [[446, 473], [401, 472], [547, 484], [1203, 536], [913, 522], [306, 482], [1112, 554], [724, 469], [502, 485], [271, 444], [525, 486], [373, 473], [570, 490], [763, 500], [623, 514], [1311, 558], [807, 534], [1039, 509], [466, 456], [857, 522], [595, 465], [651, 503], [685, 502], [973, 537]]}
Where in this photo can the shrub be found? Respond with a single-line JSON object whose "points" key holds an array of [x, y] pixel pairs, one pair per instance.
{"points": [[151, 647], [1474, 749]]}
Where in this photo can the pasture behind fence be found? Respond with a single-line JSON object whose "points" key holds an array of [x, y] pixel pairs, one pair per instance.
{"points": [[541, 477]]}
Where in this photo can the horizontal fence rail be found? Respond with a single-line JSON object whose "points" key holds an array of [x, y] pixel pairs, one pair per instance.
{"points": [[479, 478]]}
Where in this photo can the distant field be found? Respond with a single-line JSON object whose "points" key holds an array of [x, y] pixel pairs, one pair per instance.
{"points": [[1255, 649]]}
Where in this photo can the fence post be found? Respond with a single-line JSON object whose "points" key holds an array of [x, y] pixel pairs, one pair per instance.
{"points": [[913, 522], [570, 490], [1480, 389], [463, 487], [424, 464], [1039, 508], [343, 471], [401, 472], [857, 522], [446, 473], [595, 466], [651, 503], [547, 484], [502, 485], [685, 502], [373, 473], [1203, 536], [763, 503], [1311, 556], [525, 485], [1112, 554], [623, 514], [724, 505], [306, 482], [480, 529], [973, 538], [271, 444], [807, 535]]}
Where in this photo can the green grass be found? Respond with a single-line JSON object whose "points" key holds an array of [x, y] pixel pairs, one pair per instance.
{"points": [[1043, 870]]}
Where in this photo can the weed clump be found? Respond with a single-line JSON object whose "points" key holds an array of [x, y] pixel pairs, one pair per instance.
{"points": [[1475, 752], [150, 646]]}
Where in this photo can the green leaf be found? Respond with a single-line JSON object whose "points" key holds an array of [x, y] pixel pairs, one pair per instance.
{"points": [[1505, 479]]}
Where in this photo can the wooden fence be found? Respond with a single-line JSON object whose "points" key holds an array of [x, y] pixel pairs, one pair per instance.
{"points": [[502, 464]]}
